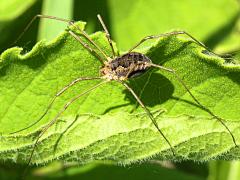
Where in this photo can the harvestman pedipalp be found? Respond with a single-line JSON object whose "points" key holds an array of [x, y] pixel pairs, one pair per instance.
{"points": [[116, 68]]}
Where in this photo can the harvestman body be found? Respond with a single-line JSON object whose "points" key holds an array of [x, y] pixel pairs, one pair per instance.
{"points": [[118, 68]]}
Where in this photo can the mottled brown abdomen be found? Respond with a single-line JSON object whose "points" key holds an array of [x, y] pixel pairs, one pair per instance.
{"points": [[130, 65]]}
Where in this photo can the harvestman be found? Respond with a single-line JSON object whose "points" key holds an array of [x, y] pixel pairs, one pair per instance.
{"points": [[116, 68]]}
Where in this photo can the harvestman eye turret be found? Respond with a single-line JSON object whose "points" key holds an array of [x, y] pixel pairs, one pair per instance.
{"points": [[120, 69]]}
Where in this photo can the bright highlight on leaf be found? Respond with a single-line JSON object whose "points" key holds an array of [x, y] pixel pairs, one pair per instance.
{"points": [[110, 125]]}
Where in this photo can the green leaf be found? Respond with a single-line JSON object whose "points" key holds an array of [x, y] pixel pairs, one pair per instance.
{"points": [[109, 127]]}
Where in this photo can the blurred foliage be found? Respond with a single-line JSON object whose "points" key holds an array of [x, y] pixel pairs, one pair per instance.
{"points": [[11, 27], [9, 10], [212, 21], [222, 170], [150, 170]]}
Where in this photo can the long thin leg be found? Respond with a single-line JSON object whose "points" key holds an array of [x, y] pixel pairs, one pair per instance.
{"points": [[86, 45], [107, 34], [149, 115], [54, 98], [45, 128], [200, 104], [70, 22], [170, 34]]}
